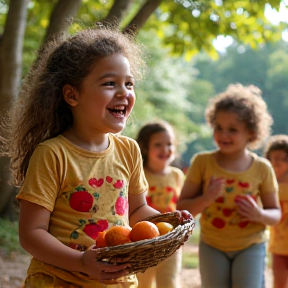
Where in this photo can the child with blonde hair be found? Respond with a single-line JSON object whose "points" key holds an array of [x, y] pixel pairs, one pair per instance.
{"points": [[158, 144], [78, 176], [234, 190], [276, 151]]}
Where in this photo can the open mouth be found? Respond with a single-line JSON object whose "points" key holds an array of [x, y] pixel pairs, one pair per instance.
{"points": [[119, 111]]}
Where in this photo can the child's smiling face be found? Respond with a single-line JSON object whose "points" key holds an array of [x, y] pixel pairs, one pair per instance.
{"points": [[279, 161], [161, 148], [106, 97]]}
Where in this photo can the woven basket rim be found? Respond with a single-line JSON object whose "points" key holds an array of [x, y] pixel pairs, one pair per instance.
{"points": [[147, 253]]}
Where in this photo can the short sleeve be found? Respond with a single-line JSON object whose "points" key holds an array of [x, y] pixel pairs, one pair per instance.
{"points": [[195, 170], [269, 182], [138, 183], [42, 184]]}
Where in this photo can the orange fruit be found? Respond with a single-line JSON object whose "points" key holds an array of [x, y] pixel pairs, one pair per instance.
{"points": [[100, 240], [144, 230], [164, 227], [117, 235]]}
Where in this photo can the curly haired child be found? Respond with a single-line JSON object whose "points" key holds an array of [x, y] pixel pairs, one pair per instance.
{"points": [[78, 176], [157, 145], [276, 151], [234, 190]]}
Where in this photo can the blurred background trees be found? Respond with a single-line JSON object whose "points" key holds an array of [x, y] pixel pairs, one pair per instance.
{"points": [[184, 69]]}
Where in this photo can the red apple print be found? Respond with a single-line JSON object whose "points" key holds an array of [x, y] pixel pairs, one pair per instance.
{"points": [[229, 181], [152, 188], [220, 199], [238, 198], [227, 212], [118, 184], [218, 223], [243, 184], [92, 230], [93, 182], [109, 179], [103, 224], [81, 200], [169, 189], [243, 224], [121, 205]]}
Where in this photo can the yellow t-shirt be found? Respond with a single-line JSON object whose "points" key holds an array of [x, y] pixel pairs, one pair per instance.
{"points": [[86, 192], [278, 243], [164, 190], [221, 224]]}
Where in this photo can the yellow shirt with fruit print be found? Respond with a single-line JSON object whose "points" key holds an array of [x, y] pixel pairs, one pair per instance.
{"points": [[164, 190], [221, 225], [86, 192], [278, 242]]}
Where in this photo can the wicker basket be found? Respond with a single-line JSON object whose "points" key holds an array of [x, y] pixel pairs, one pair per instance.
{"points": [[147, 253]]}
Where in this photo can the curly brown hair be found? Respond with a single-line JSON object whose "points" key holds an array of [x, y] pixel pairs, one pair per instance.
{"points": [[246, 102], [145, 133], [41, 112], [276, 142]]}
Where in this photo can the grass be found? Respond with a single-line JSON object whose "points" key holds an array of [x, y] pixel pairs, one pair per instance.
{"points": [[9, 241]]}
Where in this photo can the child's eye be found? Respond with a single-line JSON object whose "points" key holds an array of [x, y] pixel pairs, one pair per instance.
{"points": [[218, 128], [111, 83], [233, 130], [129, 84]]}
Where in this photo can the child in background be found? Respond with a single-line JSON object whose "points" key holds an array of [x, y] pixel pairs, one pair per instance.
{"points": [[234, 190], [157, 145], [79, 175], [276, 151]]}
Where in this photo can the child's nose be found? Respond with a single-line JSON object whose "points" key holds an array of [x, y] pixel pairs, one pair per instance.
{"points": [[122, 92]]}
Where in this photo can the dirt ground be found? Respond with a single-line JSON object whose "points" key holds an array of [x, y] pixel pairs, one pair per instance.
{"points": [[13, 271]]}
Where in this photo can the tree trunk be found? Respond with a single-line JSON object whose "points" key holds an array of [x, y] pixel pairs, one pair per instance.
{"points": [[11, 52], [10, 76], [118, 10], [144, 13], [61, 18]]}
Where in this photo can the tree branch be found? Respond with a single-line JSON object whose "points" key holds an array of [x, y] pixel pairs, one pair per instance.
{"points": [[118, 10], [59, 19], [144, 13]]}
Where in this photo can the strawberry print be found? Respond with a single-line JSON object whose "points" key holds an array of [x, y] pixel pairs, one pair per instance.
{"points": [[109, 179], [93, 182], [220, 199], [227, 212], [243, 184], [118, 184], [81, 200], [121, 205], [230, 181], [218, 223]]}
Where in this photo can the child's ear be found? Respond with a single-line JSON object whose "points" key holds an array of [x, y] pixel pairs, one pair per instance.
{"points": [[70, 95]]}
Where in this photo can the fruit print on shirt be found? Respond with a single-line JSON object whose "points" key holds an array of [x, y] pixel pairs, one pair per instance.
{"points": [[86, 199], [163, 199], [224, 211]]}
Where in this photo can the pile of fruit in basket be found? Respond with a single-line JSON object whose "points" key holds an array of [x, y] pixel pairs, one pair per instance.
{"points": [[118, 235]]}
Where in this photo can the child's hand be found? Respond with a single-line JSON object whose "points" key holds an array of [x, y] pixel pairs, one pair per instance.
{"points": [[101, 270], [214, 190], [248, 209], [184, 215]]}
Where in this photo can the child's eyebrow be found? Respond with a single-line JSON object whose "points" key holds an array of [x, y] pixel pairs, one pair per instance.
{"points": [[114, 75]]}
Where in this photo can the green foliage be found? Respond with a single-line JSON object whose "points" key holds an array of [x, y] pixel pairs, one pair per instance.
{"points": [[9, 241], [190, 260], [191, 26]]}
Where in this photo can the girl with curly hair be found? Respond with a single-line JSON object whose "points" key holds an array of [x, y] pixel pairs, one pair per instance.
{"points": [[234, 190]]}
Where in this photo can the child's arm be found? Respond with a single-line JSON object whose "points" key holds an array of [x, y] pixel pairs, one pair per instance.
{"points": [[138, 208], [192, 198], [36, 240], [270, 214]]}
